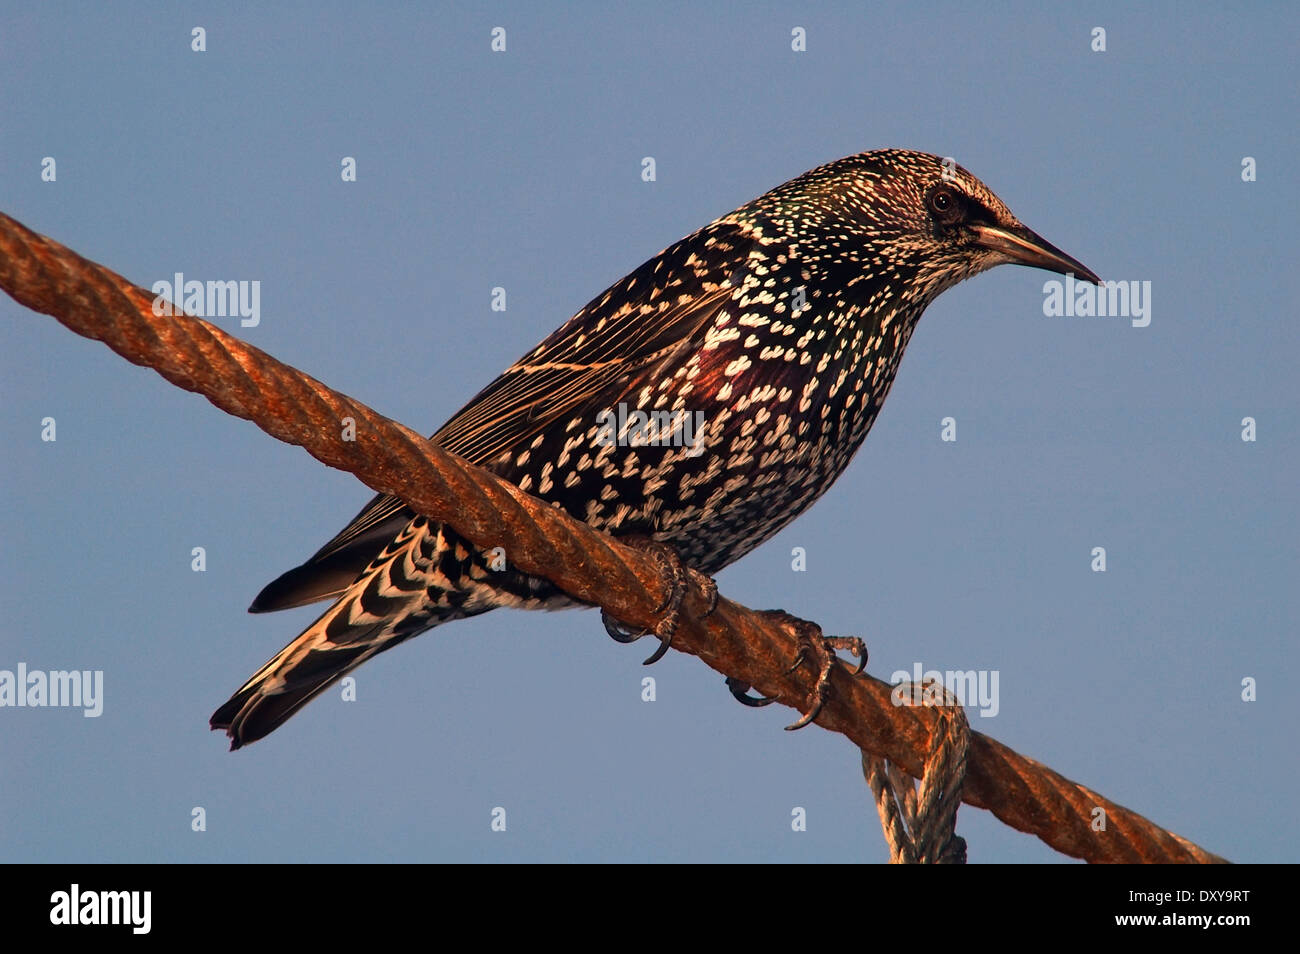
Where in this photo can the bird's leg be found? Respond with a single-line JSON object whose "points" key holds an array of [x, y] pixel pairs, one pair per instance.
{"points": [[812, 646], [677, 578]]}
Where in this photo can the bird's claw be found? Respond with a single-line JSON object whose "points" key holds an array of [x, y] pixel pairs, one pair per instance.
{"points": [[740, 691], [617, 631], [676, 576], [820, 649]]}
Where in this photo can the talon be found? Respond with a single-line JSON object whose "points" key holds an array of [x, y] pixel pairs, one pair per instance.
{"points": [[658, 654], [813, 713], [740, 691], [855, 646], [618, 632]]}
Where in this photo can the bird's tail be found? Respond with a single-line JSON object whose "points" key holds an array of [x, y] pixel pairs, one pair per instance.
{"points": [[426, 576], [324, 653], [395, 598]]}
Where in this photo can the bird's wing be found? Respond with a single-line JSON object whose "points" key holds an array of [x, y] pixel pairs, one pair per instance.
{"points": [[643, 320]]}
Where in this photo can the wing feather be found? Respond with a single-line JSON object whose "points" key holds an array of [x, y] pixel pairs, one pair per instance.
{"points": [[643, 320]]}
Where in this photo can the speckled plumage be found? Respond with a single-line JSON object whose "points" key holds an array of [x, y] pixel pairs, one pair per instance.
{"points": [[778, 328]]}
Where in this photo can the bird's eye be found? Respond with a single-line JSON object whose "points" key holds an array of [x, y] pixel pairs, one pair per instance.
{"points": [[945, 205]]}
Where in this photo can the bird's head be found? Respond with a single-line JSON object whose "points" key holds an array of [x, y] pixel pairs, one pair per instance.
{"points": [[895, 215]]}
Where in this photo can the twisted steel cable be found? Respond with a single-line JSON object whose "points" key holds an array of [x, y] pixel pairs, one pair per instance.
{"points": [[741, 643]]}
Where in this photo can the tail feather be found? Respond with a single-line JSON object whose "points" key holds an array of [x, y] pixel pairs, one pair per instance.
{"points": [[296, 675], [286, 684], [425, 577], [378, 611]]}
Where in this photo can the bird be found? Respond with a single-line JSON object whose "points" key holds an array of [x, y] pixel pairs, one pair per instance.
{"points": [[696, 406]]}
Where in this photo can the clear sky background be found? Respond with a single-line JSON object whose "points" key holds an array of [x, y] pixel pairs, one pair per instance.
{"points": [[522, 169]]}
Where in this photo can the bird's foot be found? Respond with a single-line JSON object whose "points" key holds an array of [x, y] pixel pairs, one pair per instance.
{"points": [[814, 647], [677, 578]]}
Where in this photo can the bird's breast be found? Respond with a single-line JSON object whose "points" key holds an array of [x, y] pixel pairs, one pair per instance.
{"points": [[717, 453]]}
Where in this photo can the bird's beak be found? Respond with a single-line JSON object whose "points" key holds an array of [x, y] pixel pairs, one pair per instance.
{"points": [[1023, 247]]}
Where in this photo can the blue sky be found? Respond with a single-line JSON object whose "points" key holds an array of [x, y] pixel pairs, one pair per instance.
{"points": [[522, 170]]}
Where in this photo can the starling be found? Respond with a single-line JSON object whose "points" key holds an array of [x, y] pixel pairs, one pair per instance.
{"points": [[702, 402]]}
